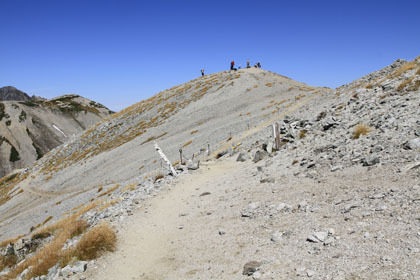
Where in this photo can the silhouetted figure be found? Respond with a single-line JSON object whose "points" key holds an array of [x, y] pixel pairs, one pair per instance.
{"points": [[202, 72], [232, 64], [247, 64], [258, 64]]}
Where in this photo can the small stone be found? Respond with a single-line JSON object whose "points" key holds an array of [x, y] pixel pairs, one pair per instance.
{"points": [[268, 180], [277, 236], [205, 193], [259, 155], [250, 268], [256, 275], [370, 161], [310, 273], [242, 157]]}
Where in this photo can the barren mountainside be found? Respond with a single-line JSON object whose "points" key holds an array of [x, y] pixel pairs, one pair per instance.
{"points": [[30, 128], [341, 187]]}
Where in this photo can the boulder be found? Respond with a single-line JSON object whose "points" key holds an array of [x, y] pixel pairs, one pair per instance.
{"points": [[412, 144], [259, 155]]}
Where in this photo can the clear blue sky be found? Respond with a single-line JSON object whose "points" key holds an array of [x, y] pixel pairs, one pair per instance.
{"points": [[120, 52]]}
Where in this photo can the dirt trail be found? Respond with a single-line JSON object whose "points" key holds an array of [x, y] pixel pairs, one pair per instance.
{"points": [[146, 246]]}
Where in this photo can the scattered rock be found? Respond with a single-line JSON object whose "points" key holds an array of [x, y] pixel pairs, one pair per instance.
{"points": [[412, 144], [205, 193], [250, 268], [259, 155], [370, 161], [242, 157]]}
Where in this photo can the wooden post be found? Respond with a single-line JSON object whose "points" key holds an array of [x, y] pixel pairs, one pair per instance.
{"points": [[180, 155], [162, 155], [276, 134], [208, 149]]}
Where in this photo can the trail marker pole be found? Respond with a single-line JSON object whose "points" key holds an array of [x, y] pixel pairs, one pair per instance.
{"points": [[162, 155], [276, 134]]}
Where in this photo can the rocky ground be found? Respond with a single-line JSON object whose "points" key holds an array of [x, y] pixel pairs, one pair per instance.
{"points": [[339, 199]]}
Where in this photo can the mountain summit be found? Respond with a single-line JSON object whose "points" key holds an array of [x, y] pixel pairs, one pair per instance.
{"points": [[10, 93]]}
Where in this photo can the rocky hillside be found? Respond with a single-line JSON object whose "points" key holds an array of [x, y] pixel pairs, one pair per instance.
{"points": [[31, 127], [13, 94], [345, 169]]}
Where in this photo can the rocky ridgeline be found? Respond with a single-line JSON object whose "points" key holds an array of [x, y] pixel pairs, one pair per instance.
{"points": [[387, 117]]}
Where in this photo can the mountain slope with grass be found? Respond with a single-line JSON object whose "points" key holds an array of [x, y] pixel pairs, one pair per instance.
{"points": [[345, 168], [31, 127]]}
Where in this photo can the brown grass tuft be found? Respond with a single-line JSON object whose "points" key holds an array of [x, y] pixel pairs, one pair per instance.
{"points": [[47, 220], [100, 189], [99, 239], [369, 86], [302, 133], [186, 144], [194, 131], [51, 253], [406, 67], [158, 176], [404, 84], [418, 72], [110, 190], [361, 129]]}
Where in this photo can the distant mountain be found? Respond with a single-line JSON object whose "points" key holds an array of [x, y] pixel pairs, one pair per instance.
{"points": [[30, 127], [13, 94]]}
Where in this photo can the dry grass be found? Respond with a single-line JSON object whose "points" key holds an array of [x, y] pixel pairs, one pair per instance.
{"points": [[141, 167], [47, 220], [7, 261], [6, 242], [153, 138], [369, 86], [129, 188], [403, 84], [58, 202], [51, 253], [100, 189], [406, 67], [194, 131], [93, 243], [361, 129], [186, 144], [109, 191], [302, 133], [269, 84], [109, 203], [229, 138], [418, 72], [158, 176]]}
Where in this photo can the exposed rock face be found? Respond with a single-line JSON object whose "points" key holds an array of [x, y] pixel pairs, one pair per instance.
{"points": [[29, 128], [12, 94]]}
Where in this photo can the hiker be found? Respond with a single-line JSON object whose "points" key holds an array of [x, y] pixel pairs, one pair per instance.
{"points": [[239, 66], [247, 64], [202, 72], [258, 64], [232, 64]]}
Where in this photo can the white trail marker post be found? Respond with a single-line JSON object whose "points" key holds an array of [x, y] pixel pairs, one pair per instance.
{"points": [[162, 155]]}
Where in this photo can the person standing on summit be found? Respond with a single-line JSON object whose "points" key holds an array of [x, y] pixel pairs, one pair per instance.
{"points": [[202, 72], [232, 64]]}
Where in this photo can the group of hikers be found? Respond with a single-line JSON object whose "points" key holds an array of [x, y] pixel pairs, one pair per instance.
{"points": [[256, 65], [232, 66]]}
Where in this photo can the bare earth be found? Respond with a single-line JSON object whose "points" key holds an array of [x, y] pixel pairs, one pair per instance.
{"points": [[196, 230]]}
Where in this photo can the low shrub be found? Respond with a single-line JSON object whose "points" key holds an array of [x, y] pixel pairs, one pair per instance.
{"points": [[361, 129]]}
